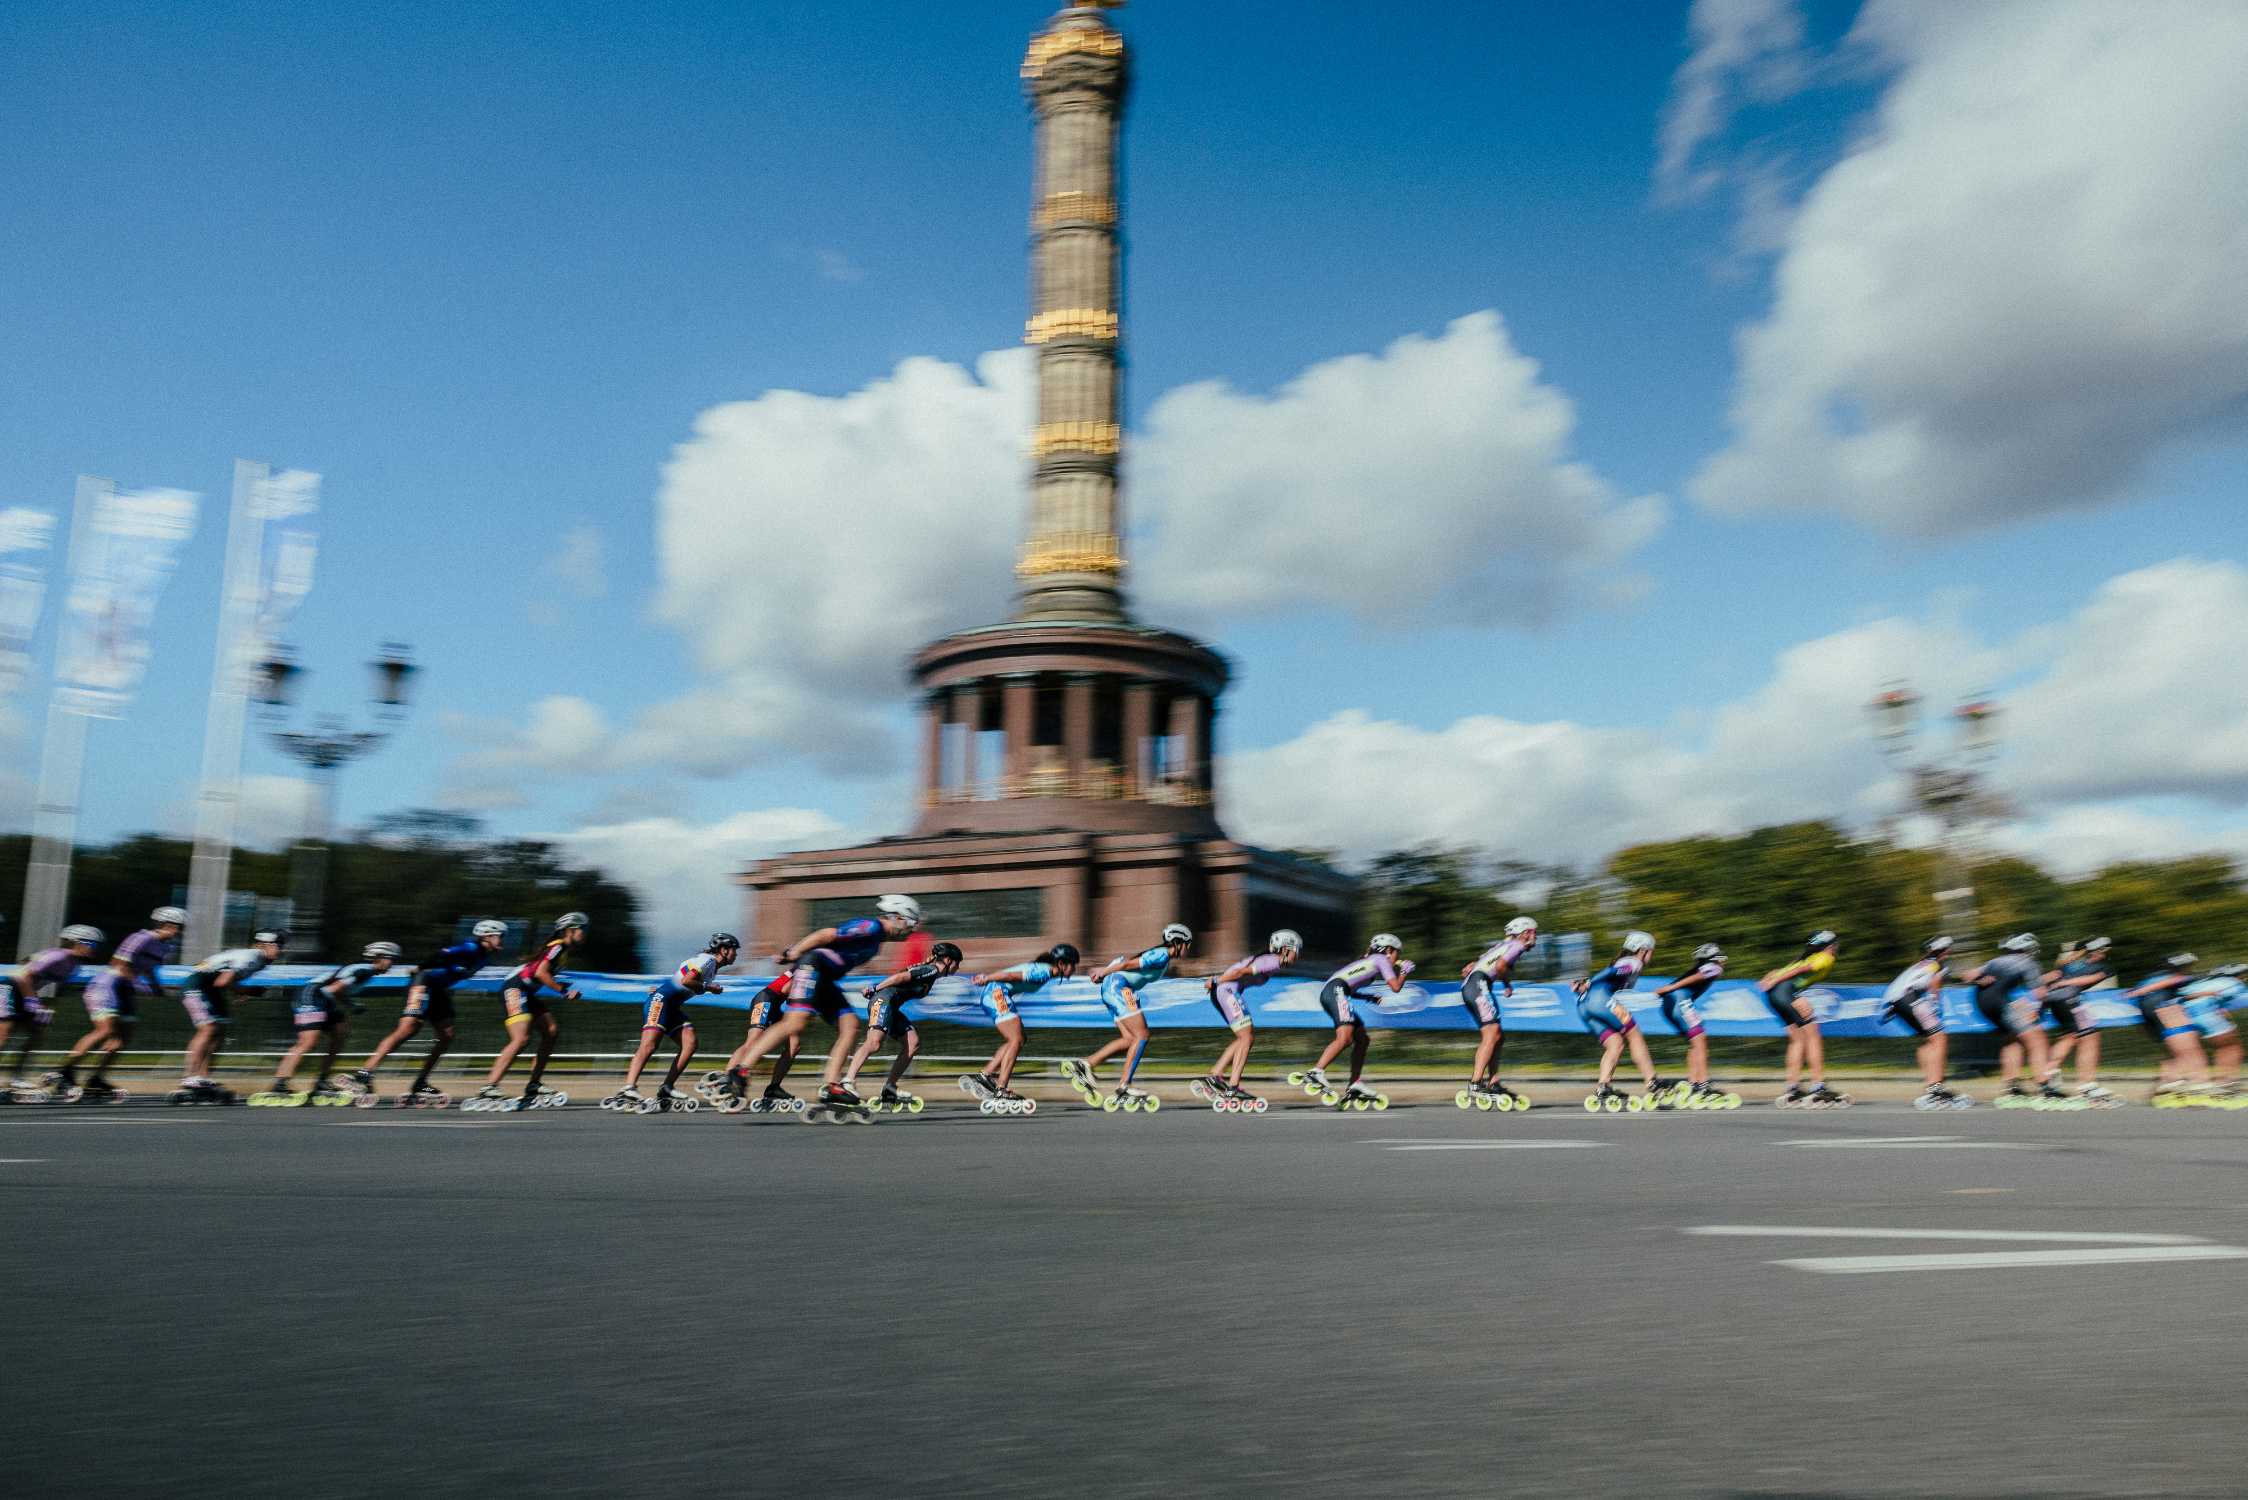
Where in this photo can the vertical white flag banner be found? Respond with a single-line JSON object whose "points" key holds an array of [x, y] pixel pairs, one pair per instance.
{"points": [[122, 556], [285, 503], [27, 537]]}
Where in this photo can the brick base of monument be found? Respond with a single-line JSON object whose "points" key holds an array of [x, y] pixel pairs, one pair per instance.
{"points": [[1004, 896]]}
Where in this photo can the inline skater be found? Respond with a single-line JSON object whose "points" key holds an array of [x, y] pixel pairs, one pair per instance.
{"points": [[2183, 1076], [112, 1001], [886, 1016], [667, 1017], [816, 962], [2206, 1003], [1681, 1002], [1610, 1019], [429, 1002], [1121, 981], [765, 1011], [522, 996], [1224, 1082], [2079, 971], [1381, 964], [1916, 998], [1806, 1049], [1001, 990], [2010, 993], [323, 1011], [27, 994], [1495, 966], [208, 999]]}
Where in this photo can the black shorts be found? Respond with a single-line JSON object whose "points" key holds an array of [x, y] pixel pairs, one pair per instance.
{"points": [[814, 990], [2072, 1017], [435, 1005], [766, 1008], [1781, 998], [886, 1012], [1335, 1000], [2009, 1015]]}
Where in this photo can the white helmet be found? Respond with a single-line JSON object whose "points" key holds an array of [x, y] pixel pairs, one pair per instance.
{"points": [[489, 928], [1384, 941], [383, 950], [1823, 938], [1286, 940], [1178, 932], [905, 908], [2020, 942], [1936, 945], [79, 932], [1639, 942], [570, 919], [171, 914], [2181, 960], [2096, 945], [1520, 925], [1709, 953]]}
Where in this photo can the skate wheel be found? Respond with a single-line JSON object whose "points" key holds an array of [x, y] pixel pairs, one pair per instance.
{"points": [[985, 1106], [1612, 1106], [1111, 1105], [1154, 1103], [1296, 1080], [1381, 1102], [1030, 1106], [1464, 1100], [650, 1106], [1259, 1107]]}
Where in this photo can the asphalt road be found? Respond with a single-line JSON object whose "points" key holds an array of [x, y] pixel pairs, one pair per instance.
{"points": [[1417, 1302]]}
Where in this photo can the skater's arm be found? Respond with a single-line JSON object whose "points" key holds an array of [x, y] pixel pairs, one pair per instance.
{"points": [[1393, 974], [807, 943], [1113, 966]]}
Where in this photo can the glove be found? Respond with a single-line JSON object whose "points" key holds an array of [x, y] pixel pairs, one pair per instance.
{"points": [[1404, 966]]}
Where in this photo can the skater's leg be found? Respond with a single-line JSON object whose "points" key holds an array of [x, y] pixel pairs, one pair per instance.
{"points": [[440, 1038], [1242, 1042], [908, 1045], [846, 1037], [1794, 1058], [286, 1069], [781, 1034], [399, 1034], [1334, 1047], [1697, 1059], [200, 1049], [1636, 1039], [548, 1031], [1611, 1050], [1486, 1045], [112, 1043], [2010, 1062], [786, 1059], [649, 1037], [1932, 1049], [2227, 1060], [1360, 1040], [1121, 1042], [682, 1054], [2087, 1058], [1010, 1047], [2033, 1049], [1135, 1036], [867, 1048], [1814, 1052], [518, 1033]]}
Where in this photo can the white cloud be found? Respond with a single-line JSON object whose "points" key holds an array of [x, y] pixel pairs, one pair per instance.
{"points": [[269, 811], [1442, 460], [2116, 703], [2028, 279], [1751, 45], [684, 871], [2079, 840]]}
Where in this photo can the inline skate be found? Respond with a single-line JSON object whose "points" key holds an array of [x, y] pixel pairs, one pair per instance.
{"points": [[1080, 1078], [280, 1096], [201, 1091], [625, 1101], [1609, 1100], [423, 1095], [840, 1106], [669, 1101], [898, 1102], [1358, 1096], [327, 1093], [1937, 1096], [1313, 1081], [97, 1090], [776, 1101], [1129, 1100]]}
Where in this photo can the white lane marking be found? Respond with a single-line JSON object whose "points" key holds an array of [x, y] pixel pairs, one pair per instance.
{"points": [[2044, 1236], [1907, 1143], [1494, 1145], [170, 1119], [22, 1161], [1986, 1260]]}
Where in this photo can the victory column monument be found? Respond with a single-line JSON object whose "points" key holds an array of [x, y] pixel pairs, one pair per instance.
{"points": [[1066, 790]]}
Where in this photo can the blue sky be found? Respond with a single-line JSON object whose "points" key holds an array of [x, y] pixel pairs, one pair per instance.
{"points": [[484, 267]]}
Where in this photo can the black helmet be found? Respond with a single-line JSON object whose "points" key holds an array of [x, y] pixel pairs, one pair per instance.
{"points": [[1062, 956], [720, 940], [946, 953]]}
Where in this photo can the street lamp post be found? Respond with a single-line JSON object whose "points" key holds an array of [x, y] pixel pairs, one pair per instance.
{"points": [[1947, 780], [324, 750]]}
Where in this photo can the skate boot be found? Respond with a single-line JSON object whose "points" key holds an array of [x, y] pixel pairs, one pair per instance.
{"points": [[1792, 1097], [423, 1094], [1313, 1081], [624, 1101], [61, 1087], [1607, 1099], [1937, 1096], [2051, 1095], [1245, 1102], [542, 1097], [1211, 1090], [485, 1100], [1660, 1094], [2095, 1097], [979, 1086], [1129, 1100], [98, 1090], [1474, 1096], [279, 1096], [898, 1102], [360, 1081], [1080, 1078], [1503, 1098], [837, 1103], [1358, 1096], [2014, 1096], [1017, 1104], [1822, 1097], [776, 1101], [327, 1093]]}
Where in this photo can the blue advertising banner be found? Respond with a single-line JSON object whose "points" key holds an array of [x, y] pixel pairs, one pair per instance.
{"points": [[1730, 1008]]}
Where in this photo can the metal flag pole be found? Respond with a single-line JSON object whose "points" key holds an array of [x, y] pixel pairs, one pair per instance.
{"points": [[223, 723]]}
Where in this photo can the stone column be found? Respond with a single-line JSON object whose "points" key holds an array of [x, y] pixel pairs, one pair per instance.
{"points": [[1205, 753], [1019, 716], [1139, 723], [1075, 74], [932, 748], [1077, 728], [1186, 725], [967, 711]]}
